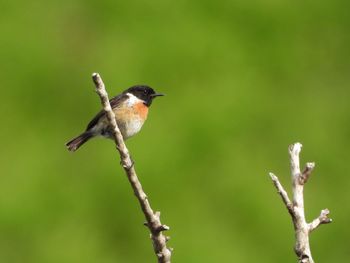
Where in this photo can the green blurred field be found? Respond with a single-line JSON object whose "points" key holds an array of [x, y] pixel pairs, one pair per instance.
{"points": [[243, 81]]}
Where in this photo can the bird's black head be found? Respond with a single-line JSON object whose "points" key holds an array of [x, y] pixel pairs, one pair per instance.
{"points": [[143, 92]]}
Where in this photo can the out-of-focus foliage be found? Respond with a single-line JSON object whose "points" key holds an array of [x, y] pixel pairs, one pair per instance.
{"points": [[243, 80]]}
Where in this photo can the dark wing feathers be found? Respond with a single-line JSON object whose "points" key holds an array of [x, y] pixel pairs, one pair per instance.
{"points": [[114, 103], [117, 99]]}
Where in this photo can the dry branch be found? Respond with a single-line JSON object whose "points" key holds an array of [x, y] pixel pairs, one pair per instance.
{"points": [[153, 218], [296, 207]]}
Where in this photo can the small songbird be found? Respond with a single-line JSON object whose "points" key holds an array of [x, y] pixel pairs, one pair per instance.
{"points": [[130, 109]]}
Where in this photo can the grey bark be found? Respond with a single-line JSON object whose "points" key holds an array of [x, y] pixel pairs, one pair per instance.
{"points": [[296, 206]]}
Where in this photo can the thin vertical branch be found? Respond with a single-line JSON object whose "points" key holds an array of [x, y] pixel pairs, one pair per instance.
{"points": [[296, 207], [153, 218]]}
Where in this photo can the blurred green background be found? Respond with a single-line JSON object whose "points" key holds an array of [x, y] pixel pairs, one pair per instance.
{"points": [[243, 80]]}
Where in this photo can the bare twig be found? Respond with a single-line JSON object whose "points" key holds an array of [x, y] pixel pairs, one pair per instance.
{"points": [[322, 219], [153, 218], [283, 193], [305, 175], [296, 207]]}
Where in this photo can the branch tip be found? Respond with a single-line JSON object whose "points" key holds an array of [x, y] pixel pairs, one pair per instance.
{"points": [[310, 165], [273, 177], [324, 216], [294, 149], [320, 220], [305, 175]]}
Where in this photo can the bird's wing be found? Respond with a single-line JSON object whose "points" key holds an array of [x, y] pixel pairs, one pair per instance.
{"points": [[115, 102]]}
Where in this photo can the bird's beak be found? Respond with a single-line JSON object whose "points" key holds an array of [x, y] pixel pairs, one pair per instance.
{"points": [[157, 95]]}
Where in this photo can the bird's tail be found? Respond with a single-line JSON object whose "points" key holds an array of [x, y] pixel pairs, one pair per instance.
{"points": [[75, 143]]}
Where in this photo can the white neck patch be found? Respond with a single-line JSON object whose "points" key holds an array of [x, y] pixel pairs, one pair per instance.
{"points": [[133, 99]]}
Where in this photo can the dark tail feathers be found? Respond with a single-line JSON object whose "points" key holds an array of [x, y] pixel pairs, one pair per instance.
{"points": [[75, 143]]}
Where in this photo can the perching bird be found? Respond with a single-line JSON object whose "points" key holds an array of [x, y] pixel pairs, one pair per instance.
{"points": [[130, 109]]}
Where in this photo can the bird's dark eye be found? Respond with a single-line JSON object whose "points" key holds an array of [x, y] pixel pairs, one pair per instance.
{"points": [[145, 91]]}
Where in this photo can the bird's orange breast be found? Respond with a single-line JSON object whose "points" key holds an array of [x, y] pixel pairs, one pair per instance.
{"points": [[141, 109], [130, 118]]}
